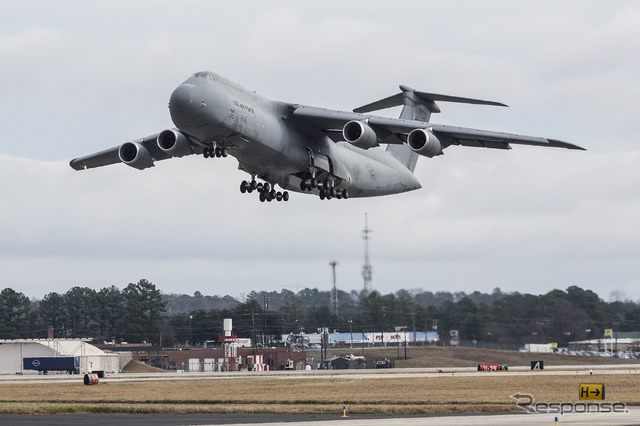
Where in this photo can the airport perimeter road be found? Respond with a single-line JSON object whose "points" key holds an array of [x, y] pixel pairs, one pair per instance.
{"points": [[331, 374]]}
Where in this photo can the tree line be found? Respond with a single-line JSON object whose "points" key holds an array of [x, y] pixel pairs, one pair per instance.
{"points": [[140, 313]]}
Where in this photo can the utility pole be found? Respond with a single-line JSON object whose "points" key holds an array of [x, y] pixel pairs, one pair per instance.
{"points": [[266, 307], [366, 269], [254, 341], [334, 291]]}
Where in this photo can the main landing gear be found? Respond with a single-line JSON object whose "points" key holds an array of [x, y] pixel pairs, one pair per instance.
{"points": [[215, 152], [266, 191], [327, 188]]}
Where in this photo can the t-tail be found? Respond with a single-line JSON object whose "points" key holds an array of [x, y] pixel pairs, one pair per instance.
{"points": [[417, 106]]}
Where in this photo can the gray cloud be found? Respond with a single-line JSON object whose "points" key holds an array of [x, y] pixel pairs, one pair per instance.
{"points": [[526, 220]]}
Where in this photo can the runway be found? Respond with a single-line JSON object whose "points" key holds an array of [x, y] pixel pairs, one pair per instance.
{"points": [[524, 419]]}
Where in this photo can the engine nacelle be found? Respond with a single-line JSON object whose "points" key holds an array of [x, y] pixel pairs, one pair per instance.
{"points": [[360, 134], [135, 155], [174, 143], [424, 143]]}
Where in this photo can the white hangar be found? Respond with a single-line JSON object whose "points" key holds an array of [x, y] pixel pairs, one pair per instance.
{"points": [[47, 356]]}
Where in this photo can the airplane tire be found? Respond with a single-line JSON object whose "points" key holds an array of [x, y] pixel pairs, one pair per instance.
{"points": [[345, 194], [322, 194], [332, 192], [303, 185], [262, 197], [224, 152], [206, 152], [285, 196], [314, 182], [243, 186], [278, 196], [254, 184]]}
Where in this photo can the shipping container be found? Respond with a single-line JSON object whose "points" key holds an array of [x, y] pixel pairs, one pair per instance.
{"points": [[52, 363]]}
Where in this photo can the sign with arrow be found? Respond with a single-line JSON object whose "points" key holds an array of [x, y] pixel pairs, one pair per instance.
{"points": [[592, 391]]}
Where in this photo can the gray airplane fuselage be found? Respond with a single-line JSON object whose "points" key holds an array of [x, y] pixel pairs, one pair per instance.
{"points": [[214, 111], [328, 153]]}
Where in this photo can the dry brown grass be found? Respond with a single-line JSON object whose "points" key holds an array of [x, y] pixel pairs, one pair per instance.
{"points": [[442, 394]]}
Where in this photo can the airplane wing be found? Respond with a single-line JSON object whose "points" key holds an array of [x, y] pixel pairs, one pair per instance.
{"points": [[111, 155], [395, 130]]}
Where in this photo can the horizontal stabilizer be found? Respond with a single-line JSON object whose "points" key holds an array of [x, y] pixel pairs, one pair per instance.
{"points": [[421, 97]]}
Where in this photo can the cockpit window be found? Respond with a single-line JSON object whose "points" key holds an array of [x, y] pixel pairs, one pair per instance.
{"points": [[204, 75]]}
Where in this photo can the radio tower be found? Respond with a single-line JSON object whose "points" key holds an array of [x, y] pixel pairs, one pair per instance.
{"points": [[366, 269], [334, 291]]}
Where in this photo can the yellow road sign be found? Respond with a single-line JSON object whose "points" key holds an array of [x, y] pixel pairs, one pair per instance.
{"points": [[592, 391]]}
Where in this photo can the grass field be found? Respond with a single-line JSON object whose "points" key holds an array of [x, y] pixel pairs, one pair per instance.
{"points": [[449, 356], [443, 394]]}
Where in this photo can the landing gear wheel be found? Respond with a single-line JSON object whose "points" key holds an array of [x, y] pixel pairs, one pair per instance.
{"points": [[322, 194], [285, 196], [206, 153], [244, 186], [345, 194], [303, 185], [224, 152], [332, 192], [254, 184], [278, 196], [262, 197]]}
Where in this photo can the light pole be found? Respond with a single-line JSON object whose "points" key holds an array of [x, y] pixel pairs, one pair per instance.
{"points": [[351, 331], [405, 343]]}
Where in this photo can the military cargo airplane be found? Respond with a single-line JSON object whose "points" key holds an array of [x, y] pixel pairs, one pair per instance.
{"points": [[332, 154]]}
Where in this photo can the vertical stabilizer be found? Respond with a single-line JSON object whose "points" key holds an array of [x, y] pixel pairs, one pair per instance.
{"points": [[417, 106], [417, 109]]}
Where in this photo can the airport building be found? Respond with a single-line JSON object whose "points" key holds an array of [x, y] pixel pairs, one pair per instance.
{"points": [[57, 356], [358, 339], [212, 359]]}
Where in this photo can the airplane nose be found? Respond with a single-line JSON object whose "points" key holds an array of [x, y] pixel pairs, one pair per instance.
{"points": [[185, 112]]}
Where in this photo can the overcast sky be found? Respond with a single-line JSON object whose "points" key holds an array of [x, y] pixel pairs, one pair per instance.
{"points": [[80, 76]]}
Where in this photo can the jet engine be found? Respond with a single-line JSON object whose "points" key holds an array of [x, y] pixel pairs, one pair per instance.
{"points": [[174, 143], [135, 155], [360, 134], [424, 143]]}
